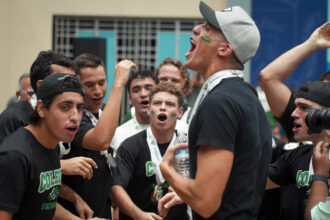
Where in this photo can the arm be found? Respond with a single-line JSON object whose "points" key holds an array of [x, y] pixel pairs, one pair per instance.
{"points": [[204, 193], [273, 75], [63, 214], [319, 190], [82, 166], [126, 205], [5, 215], [81, 206], [99, 137]]}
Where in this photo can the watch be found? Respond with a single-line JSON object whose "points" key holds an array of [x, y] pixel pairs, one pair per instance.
{"points": [[318, 177]]}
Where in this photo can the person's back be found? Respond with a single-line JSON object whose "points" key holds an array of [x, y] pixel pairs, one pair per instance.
{"points": [[245, 132]]}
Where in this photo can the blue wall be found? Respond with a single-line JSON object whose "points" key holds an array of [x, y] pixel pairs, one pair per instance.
{"points": [[284, 24]]}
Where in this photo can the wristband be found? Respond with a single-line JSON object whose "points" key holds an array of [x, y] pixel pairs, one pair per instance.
{"points": [[318, 177]]}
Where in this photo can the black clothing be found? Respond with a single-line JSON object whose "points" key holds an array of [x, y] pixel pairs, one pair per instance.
{"points": [[15, 116], [231, 117], [136, 175], [95, 192], [30, 177], [288, 170]]}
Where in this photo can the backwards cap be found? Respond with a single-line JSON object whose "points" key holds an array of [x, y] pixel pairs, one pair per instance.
{"points": [[238, 28], [56, 84], [316, 91]]}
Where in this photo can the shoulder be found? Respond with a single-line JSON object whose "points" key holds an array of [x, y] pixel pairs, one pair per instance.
{"points": [[135, 142]]}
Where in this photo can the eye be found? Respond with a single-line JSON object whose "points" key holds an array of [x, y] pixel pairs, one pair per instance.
{"points": [[176, 81], [80, 107], [89, 85], [102, 82], [149, 88], [163, 79], [64, 107]]}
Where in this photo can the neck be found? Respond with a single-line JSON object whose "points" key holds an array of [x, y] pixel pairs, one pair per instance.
{"points": [[216, 67], [43, 135], [142, 119], [93, 110], [162, 136]]}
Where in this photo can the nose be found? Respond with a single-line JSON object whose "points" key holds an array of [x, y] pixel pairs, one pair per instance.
{"points": [[144, 92], [76, 115], [294, 114], [162, 106], [197, 29], [97, 90]]}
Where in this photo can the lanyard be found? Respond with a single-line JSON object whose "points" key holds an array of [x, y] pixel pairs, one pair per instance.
{"points": [[156, 157], [210, 83]]}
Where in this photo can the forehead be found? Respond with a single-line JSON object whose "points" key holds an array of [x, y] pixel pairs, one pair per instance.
{"points": [[25, 84], [169, 70], [142, 82], [92, 74], [61, 69], [72, 97], [306, 102], [165, 96]]}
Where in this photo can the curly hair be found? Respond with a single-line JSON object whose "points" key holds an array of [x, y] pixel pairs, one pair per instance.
{"points": [[170, 88]]}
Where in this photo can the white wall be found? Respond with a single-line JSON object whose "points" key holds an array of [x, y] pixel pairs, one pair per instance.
{"points": [[26, 27]]}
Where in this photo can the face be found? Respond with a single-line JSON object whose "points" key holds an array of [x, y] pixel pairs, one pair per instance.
{"points": [[300, 128], [95, 85], [171, 73], [204, 47], [63, 117], [139, 97], [164, 111], [26, 92]]}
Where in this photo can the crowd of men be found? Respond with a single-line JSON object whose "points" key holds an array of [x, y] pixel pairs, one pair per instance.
{"points": [[63, 154]]}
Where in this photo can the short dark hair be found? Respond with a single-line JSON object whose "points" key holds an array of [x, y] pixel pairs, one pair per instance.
{"points": [[34, 117], [86, 60], [140, 74], [170, 88], [325, 76], [183, 70], [41, 67]]}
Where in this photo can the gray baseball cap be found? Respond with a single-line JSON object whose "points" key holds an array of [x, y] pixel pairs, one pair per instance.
{"points": [[238, 28]]}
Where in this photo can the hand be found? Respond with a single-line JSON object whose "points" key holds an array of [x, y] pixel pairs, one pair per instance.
{"points": [[321, 37], [122, 70], [167, 163], [115, 213], [147, 216], [82, 166], [321, 162], [166, 202], [83, 209]]}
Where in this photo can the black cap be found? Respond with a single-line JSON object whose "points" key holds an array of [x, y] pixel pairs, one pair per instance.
{"points": [[316, 91], [56, 84]]}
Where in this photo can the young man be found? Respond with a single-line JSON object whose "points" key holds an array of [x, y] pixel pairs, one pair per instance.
{"points": [[137, 176], [293, 167], [173, 71], [229, 136], [96, 130], [139, 85], [30, 190]]}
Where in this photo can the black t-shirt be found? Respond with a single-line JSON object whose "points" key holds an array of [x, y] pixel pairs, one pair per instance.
{"points": [[15, 116], [135, 174], [95, 191], [30, 177], [231, 117], [284, 172]]}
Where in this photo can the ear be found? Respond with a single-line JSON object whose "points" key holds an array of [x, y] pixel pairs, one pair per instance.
{"points": [[39, 82], [41, 109], [18, 94], [129, 99], [181, 109], [225, 49]]}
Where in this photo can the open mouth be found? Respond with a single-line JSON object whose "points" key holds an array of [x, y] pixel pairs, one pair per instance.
{"points": [[162, 117], [296, 126], [72, 129], [193, 46], [145, 102], [97, 99]]}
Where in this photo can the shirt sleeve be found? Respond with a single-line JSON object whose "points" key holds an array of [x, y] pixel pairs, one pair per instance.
{"points": [[286, 120], [321, 210], [85, 126], [279, 172], [125, 160], [13, 181]]}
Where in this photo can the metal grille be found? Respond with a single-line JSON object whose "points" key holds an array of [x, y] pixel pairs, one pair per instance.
{"points": [[136, 37]]}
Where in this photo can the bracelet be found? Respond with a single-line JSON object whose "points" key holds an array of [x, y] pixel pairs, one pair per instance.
{"points": [[318, 177]]}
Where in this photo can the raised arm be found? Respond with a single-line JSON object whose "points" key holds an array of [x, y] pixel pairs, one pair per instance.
{"points": [[273, 75], [99, 137]]}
